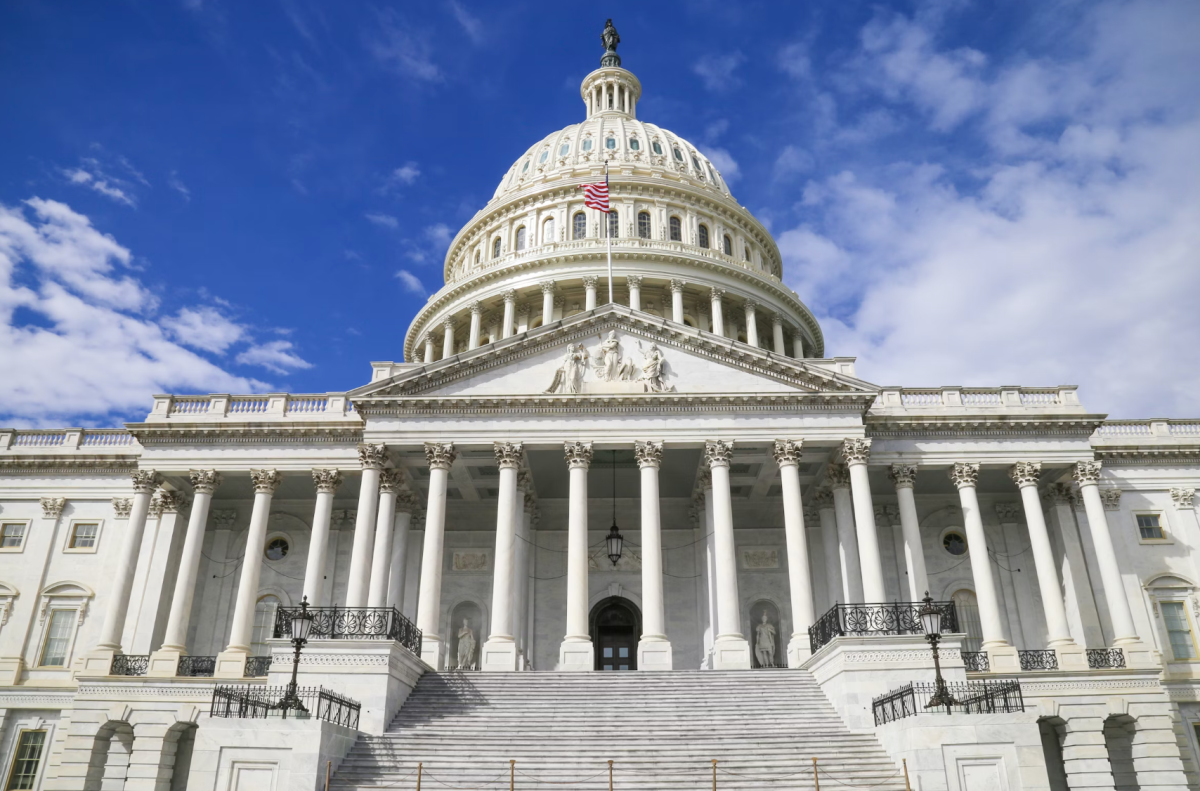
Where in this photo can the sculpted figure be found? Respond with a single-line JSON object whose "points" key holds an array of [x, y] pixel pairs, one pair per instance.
{"points": [[652, 370], [569, 376], [608, 359], [466, 646], [764, 642], [609, 37]]}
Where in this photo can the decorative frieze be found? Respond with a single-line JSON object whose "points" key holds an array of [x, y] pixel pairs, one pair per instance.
{"points": [[469, 561], [122, 506], [52, 507], [756, 558], [266, 481], [1026, 473], [837, 476], [856, 450], [787, 451], [440, 455], [391, 480], [964, 474], [145, 481], [509, 455], [205, 481], [1183, 498], [372, 457], [1008, 512], [1086, 472], [327, 481], [1111, 499], [902, 476], [717, 453], [648, 453], [578, 454]]}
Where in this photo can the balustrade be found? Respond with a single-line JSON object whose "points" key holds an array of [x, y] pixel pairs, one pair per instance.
{"points": [[353, 623], [896, 618], [970, 697]]}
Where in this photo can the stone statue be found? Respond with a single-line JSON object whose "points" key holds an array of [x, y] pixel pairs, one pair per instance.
{"points": [[652, 370], [610, 367], [609, 37], [569, 376], [466, 646], [764, 643]]}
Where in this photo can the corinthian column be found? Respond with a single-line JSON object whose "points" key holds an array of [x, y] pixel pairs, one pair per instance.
{"points": [[903, 477], [635, 295], [752, 323], [730, 650], [327, 482], [476, 323], [429, 348], [165, 661], [510, 313], [372, 458], [718, 319], [406, 503], [231, 663], [856, 453], [787, 456], [779, 345], [390, 482], [548, 287], [677, 301], [823, 502], [589, 292], [500, 650], [576, 651], [838, 478], [654, 650], [429, 602]]}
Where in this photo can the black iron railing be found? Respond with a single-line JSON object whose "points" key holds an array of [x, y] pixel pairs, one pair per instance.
{"points": [[970, 697], [257, 702], [976, 661], [130, 664], [1105, 658], [353, 623], [197, 666], [864, 619], [257, 666], [1041, 659]]}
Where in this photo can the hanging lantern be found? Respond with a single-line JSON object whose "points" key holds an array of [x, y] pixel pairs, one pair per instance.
{"points": [[615, 543]]}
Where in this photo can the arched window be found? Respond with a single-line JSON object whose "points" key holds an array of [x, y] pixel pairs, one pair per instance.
{"points": [[676, 230], [548, 231], [704, 236], [610, 143], [564, 150], [264, 625], [696, 165], [728, 244], [520, 245], [634, 145], [579, 226], [644, 224], [678, 155], [525, 167], [545, 155], [496, 247], [746, 253], [614, 224], [656, 147], [476, 258], [587, 144]]}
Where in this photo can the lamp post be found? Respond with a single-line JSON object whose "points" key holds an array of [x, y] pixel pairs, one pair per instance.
{"points": [[931, 621], [301, 625], [615, 540]]}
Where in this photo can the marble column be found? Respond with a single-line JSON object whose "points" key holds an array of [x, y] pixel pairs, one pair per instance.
{"points": [[677, 301], [903, 477], [1125, 636], [165, 660], [576, 651], [823, 502], [510, 313], [406, 503], [710, 566], [448, 338], [797, 345], [718, 319], [500, 650], [231, 663], [429, 348], [654, 649], [476, 325], [752, 323], [372, 459], [1025, 475], [548, 287], [327, 482], [856, 453], [779, 345], [429, 602], [1001, 656], [390, 482], [731, 651], [787, 456], [635, 291], [837, 477], [525, 510], [589, 292]]}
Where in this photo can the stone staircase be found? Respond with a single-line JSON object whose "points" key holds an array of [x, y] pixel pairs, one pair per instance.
{"points": [[661, 730]]}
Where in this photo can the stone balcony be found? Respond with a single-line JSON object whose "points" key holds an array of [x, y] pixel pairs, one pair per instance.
{"points": [[1125, 434], [68, 441], [263, 408], [977, 401]]}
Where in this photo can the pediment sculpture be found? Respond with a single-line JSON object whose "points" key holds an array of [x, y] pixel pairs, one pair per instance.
{"points": [[610, 366]]}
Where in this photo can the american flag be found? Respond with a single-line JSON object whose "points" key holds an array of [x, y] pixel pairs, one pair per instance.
{"points": [[595, 196]]}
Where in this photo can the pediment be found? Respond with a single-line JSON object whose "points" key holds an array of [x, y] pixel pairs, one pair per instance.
{"points": [[614, 351]]}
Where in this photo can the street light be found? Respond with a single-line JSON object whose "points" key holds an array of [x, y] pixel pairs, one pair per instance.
{"points": [[616, 541], [931, 622], [301, 626]]}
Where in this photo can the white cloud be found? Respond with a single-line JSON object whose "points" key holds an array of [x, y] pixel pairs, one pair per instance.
{"points": [[411, 282], [382, 220], [717, 70], [175, 183], [792, 160], [471, 25], [397, 46], [439, 235], [275, 356], [406, 173], [98, 182], [723, 161], [204, 328]]}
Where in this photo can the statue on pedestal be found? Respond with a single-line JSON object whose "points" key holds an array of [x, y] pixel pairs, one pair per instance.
{"points": [[764, 643], [466, 646]]}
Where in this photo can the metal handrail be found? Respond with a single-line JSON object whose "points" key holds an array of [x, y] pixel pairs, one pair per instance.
{"points": [[353, 623], [866, 619]]}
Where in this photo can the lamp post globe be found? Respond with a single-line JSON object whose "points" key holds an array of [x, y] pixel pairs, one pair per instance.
{"points": [[301, 626], [931, 621]]}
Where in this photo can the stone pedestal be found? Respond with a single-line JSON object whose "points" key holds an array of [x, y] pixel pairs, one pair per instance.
{"points": [[231, 663], [1002, 658], [576, 655], [433, 653], [798, 651], [498, 655], [731, 653], [10, 670], [1071, 656], [654, 654], [97, 662], [1138, 654], [164, 663]]}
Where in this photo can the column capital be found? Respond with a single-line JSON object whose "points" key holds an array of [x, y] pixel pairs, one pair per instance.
{"points": [[590, 281], [509, 455], [633, 281], [145, 481], [510, 295], [391, 479], [1111, 498], [266, 481], [648, 453], [524, 480], [548, 286], [787, 451], [171, 502], [1026, 473], [327, 481], [777, 319], [406, 501], [821, 499], [121, 507], [372, 457], [856, 450], [715, 293], [1059, 494], [440, 455], [718, 452], [477, 308], [1182, 498], [156, 506], [205, 481], [705, 481], [964, 474], [750, 305], [1008, 512], [902, 476], [837, 476], [578, 454], [448, 324], [52, 507], [676, 285], [530, 503], [1086, 473]]}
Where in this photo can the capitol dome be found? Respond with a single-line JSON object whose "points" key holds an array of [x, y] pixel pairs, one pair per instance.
{"points": [[682, 247]]}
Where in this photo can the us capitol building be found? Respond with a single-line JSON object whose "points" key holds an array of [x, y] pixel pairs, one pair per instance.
{"points": [[547, 485]]}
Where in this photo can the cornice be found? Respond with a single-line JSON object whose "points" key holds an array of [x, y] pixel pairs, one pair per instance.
{"points": [[952, 426], [232, 433], [1141, 456], [41, 465]]}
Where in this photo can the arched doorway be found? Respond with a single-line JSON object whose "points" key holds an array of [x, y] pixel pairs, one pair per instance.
{"points": [[616, 626]]}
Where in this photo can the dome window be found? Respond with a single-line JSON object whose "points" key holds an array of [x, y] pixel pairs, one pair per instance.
{"points": [[746, 253], [696, 165], [496, 247], [548, 231], [728, 246], [587, 144], [712, 175], [476, 258], [525, 167], [520, 245], [564, 150], [676, 230], [610, 143], [545, 155], [704, 236], [678, 154], [614, 224], [644, 224], [656, 148], [579, 226], [634, 145]]}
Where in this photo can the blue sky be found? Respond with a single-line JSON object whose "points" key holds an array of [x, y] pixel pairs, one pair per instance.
{"points": [[211, 196]]}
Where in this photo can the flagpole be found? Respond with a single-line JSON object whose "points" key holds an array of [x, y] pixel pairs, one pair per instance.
{"points": [[608, 237]]}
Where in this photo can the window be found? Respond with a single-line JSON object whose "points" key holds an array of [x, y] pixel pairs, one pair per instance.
{"points": [[520, 238], [264, 625], [678, 154], [1150, 527], [656, 148], [954, 543], [696, 165], [12, 536], [728, 245], [26, 760], [83, 535], [614, 224], [644, 224], [58, 639], [525, 167], [476, 258], [579, 226], [746, 253], [634, 145], [1179, 631], [277, 549], [496, 247], [545, 155], [587, 144], [676, 230], [548, 231], [610, 143], [704, 236], [564, 149]]}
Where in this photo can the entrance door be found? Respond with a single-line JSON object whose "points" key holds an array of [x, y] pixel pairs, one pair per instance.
{"points": [[616, 628]]}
